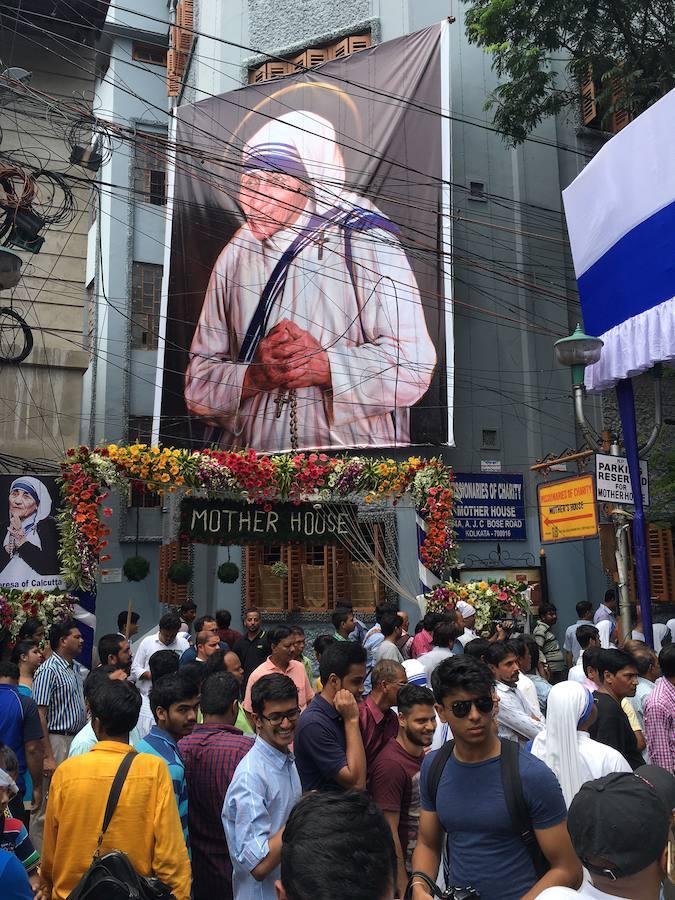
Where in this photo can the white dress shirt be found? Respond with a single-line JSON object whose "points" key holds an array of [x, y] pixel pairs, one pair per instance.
{"points": [[527, 688], [149, 645], [514, 716], [433, 658]]}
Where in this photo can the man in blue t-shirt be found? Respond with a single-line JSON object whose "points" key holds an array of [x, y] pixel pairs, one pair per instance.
{"points": [[484, 850]]}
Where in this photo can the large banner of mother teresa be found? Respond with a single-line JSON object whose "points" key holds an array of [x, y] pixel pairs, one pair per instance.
{"points": [[28, 534], [308, 300]]}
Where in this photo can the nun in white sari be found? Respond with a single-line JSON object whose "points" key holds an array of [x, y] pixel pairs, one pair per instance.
{"points": [[312, 333], [565, 744], [29, 551]]}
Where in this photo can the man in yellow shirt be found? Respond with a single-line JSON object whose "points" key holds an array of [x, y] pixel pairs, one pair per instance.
{"points": [[145, 824]]}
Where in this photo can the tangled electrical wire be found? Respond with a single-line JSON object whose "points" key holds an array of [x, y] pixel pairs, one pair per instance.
{"points": [[32, 198]]}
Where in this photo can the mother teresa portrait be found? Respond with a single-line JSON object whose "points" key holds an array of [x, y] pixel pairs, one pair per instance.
{"points": [[29, 551], [312, 332]]}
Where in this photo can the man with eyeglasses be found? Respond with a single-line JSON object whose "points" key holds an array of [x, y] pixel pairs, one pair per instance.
{"points": [[264, 789], [377, 720], [486, 849]]}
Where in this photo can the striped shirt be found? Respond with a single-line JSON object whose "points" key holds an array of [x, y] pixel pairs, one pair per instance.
{"points": [[659, 713], [58, 686], [160, 743], [14, 838]]}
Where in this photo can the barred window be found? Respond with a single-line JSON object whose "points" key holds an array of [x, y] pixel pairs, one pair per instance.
{"points": [[146, 296], [150, 169]]}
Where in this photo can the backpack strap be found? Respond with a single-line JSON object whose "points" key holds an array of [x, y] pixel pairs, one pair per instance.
{"points": [[437, 768], [114, 795], [517, 807]]}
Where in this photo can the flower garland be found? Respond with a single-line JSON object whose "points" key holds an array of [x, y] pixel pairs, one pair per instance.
{"points": [[17, 606], [496, 600], [88, 475]]}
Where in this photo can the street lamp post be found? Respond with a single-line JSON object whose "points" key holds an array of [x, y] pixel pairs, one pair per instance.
{"points": [[578, 351]]}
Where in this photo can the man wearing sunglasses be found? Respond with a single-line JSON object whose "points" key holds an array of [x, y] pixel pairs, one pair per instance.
{"points": [[264, 789], [485, 849]]}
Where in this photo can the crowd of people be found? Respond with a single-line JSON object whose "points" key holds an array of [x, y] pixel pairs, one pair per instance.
{"points": [[225, 765]]}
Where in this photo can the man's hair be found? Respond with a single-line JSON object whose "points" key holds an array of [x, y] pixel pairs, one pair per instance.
{"points": [[590, 658], [169, 622], [321, 642], [195, 673], [338, 658], [445, 634], [272, 688], [201, 621], [162, 662], [585, 634], [223, 618], [170, 689], [122, 619], [613, 661], [276, 634], [29, 628], [583, 608], [523, 643], [22, 649], [95, 678], [546, 608], [251, 609], [389, 622], [60, 630], [188, 606], [358, 861], [498, 651], [340, 616], [476, 648], [109, 645], [413, 695], [431, 620], [204, 636], [387, 670], [610, 596], [116, 704], [297, 629], [667, 661], [643, 662], [8, 759], [383, 608], [215, 662], [9, 670], [219, 691], [461, 673]]}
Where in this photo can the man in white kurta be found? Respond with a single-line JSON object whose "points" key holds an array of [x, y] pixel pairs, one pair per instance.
{"points": [[341, 350]]}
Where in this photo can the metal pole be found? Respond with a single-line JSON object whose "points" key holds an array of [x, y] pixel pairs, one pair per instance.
{"points": [[622, 554], [624, 393]]}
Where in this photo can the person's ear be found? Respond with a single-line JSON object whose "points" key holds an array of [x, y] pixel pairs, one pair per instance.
{"points": [[663, 861], [235, 709], [279, 890], [440, 709]]}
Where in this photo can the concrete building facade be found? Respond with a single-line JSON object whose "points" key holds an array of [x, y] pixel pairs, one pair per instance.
{"points": [[513, 282]]}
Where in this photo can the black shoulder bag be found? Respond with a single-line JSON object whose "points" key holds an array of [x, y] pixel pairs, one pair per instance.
{"points": [[513, 794], [112, 877]]}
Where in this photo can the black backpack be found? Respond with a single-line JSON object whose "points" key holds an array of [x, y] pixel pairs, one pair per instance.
{"points": [[513, 794], [112, 877]]}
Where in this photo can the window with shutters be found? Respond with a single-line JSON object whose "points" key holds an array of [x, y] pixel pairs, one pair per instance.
{"points": [[146, 297], [319, 576], [181, 44], [153, 54], [312, 56], [150, 169], [594, 113]]}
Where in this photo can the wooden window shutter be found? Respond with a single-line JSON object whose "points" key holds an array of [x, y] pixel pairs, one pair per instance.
{"points": [[174, 72], [312, 57], [589, 107], [620, 117], [185, 22], [661, 562], [342, 575], [292, 555], [271, 70], [253, 558], [348, 45], [174, 594]]}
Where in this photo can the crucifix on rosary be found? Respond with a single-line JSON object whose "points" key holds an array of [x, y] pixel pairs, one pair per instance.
{"points": [[280, 401], [321, 241]]}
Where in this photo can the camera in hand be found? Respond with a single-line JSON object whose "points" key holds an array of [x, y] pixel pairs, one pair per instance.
{"points": [[460, 893]]}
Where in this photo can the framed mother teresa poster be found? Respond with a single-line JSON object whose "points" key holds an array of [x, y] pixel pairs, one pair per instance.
{"points": [[308, 301], [28, 534]]}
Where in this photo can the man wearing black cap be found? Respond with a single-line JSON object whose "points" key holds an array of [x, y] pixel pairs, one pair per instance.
{"points": [[619, 827]]}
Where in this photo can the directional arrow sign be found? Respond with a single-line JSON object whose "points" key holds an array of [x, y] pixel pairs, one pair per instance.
{"points": [[567, 510]]}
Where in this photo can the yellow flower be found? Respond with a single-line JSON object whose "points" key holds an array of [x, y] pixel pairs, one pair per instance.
{"points": [[176, 452], [155, 451], [482, 585], [180, 480]]}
